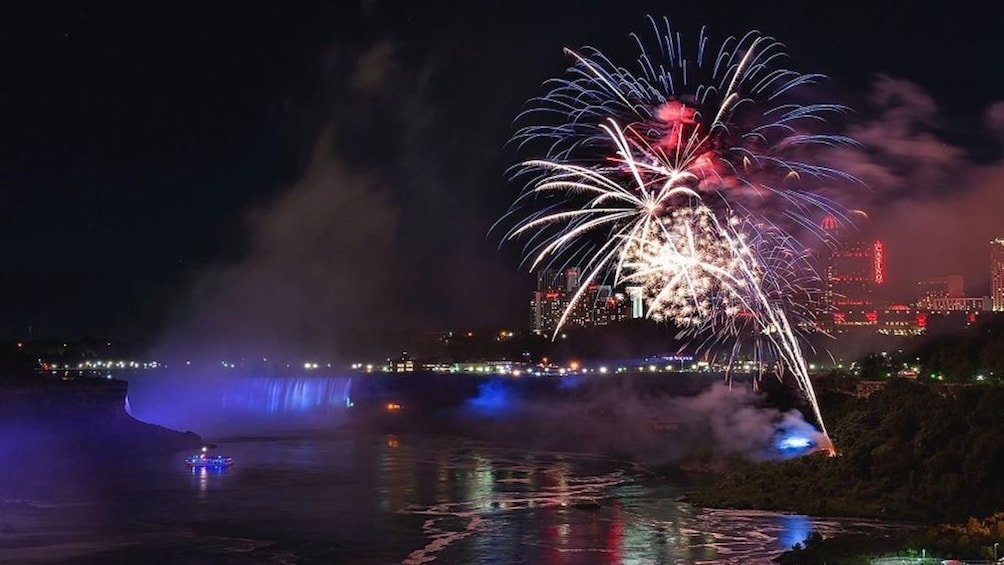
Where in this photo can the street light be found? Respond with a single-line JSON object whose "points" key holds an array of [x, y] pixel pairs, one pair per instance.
{"points": [[995, 552]]}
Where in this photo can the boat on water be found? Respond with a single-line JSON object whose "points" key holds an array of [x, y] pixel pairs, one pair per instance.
{"points": [[204, 459]]}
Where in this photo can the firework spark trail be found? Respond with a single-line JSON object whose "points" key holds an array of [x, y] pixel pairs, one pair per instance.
{"points": [[730, 276], [694, 270], [685, 178]]}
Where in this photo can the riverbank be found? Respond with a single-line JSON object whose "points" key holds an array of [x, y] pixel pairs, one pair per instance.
{"points": [[908, 453]]}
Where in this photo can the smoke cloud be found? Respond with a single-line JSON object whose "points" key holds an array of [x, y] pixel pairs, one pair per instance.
{"points": [[995, 119], [932, 200], [688, 419], [627, 417]]}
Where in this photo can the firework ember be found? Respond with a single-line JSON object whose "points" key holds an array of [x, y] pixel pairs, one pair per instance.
{"points": [[691, 178]]}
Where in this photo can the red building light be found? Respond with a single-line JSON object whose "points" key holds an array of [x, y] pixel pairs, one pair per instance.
{"points": [[879, 249]]}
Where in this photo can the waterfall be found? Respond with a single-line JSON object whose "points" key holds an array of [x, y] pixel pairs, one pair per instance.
{"points": [[221, 404], [285, 396]]}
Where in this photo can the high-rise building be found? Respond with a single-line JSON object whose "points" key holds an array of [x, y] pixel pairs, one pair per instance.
{"points": [[597, 305], [852, 271], [572, 279], [997, 274], [610, 306], [945, 304], [936, 288], [548, 307], [942, 295], [636, 295], [556, 279]]}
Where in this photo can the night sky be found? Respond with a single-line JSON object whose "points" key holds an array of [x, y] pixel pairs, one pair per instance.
{"points": [[290, 171]]}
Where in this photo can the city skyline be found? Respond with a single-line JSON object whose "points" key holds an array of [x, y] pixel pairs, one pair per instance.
{"points": [[852, 271], [135, 208]]}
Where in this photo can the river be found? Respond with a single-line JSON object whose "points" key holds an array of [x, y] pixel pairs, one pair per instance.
{"points": [[378, 498]]}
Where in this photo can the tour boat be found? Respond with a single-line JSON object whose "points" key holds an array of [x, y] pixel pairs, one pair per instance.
{"points": [[206, 460]]}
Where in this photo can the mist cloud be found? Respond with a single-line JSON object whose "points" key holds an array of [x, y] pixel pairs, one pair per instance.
{"points": [[309, 250], [376, 232]]}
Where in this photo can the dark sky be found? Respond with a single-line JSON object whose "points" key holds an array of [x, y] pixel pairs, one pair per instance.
{"points": [[248, 169]]}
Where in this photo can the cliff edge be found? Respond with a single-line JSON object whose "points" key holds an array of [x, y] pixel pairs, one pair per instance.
{"points": [[59, 419]]}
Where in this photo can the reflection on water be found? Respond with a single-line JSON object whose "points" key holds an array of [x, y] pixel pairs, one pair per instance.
{"points": [[202, 476], [795, 529], [389, 499]]}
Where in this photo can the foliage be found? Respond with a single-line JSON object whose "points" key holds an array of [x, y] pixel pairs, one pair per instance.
{"points": [[907, 452], [962, 356], [972, 539], [855, 549]]}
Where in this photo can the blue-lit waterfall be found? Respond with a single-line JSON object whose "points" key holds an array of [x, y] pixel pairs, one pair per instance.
{"points": [[227, 404], [287, 396]]}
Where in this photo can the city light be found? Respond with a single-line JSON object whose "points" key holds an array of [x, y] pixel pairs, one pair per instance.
{"points": [[879, 253]]}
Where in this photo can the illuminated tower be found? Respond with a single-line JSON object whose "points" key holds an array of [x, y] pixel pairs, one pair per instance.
{"points": [[997, 274], [572, 279], [852, 271], [637, 297], [549, 301], [555, 289], [597, 305]]}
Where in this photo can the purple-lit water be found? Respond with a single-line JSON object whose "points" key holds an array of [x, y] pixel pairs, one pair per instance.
{"points": [[381, 499]]}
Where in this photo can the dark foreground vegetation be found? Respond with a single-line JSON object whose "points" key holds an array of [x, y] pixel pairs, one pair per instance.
{"points": [[907, 452], [972, 540], [932, 455]]}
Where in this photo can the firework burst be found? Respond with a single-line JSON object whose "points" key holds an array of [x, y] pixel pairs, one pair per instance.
{"points": [[688, 177]]}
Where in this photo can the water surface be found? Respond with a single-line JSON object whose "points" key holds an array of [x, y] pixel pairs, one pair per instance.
{"points": [[382, 499]]}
